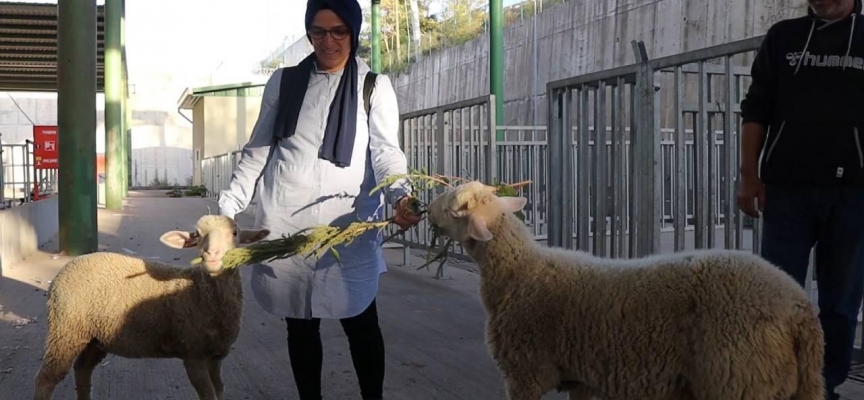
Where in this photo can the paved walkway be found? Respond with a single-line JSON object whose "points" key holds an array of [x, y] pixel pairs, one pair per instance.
{"points": [[433, 328]]}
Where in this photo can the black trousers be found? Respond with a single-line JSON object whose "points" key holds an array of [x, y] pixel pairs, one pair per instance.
{"points": [[367, 353]]}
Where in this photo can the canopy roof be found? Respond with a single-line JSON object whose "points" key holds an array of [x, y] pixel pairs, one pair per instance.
{"points": [[28, 47]]}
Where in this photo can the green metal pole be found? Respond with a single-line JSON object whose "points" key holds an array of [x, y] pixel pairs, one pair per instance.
{"points": [[123, 100], [127, 114], [113, 110], [376, 36], [127, 124], [76, 121], [496, 60]]}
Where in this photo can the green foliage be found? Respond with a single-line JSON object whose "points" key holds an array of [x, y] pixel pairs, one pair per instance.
{"points": [[460, 21]]}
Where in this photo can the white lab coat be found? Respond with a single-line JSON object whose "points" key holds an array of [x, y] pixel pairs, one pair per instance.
{"points": [[297, 190]]}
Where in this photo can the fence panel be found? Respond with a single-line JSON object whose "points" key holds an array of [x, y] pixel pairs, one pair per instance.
{"points": [[666, 178], [19, 176]]}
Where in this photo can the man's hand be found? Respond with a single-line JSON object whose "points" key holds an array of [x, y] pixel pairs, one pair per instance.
{"points": [[405, 214], [749, 189]]}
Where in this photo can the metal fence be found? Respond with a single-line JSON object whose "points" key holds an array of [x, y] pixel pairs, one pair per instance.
{"points": [[648, 181], [216, 172], [19, 177]]}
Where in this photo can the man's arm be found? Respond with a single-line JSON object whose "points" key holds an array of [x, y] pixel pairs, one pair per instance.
{"points": [[752, 140], [254, 155], [757, 106], [757, 109], [388, 159]]}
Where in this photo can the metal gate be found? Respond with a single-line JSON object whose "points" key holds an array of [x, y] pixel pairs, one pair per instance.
{"points": [[617, 195]]}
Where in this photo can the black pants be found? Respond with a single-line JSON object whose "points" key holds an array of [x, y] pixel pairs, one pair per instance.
{"points": [[367, 352], [832, 219]]}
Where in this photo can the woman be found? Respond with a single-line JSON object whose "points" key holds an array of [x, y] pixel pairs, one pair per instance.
{"points": [[318, 156]]}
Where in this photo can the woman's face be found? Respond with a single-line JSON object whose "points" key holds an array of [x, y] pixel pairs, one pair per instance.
{"points": [[331, 39]]}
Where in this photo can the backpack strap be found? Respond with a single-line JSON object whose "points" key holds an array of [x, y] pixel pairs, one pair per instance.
{"points": [[368, 86]]}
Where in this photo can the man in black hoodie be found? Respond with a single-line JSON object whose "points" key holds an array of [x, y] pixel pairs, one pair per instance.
{"points": [[807, 95]]}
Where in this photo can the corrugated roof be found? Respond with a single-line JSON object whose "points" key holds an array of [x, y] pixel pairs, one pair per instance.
{"points": [[28, 47]]}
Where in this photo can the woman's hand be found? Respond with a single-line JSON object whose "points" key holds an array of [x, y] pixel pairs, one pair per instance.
{"points": [[406, 216]]}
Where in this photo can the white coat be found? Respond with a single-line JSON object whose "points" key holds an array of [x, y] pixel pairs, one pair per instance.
{"points": [[297, 190]]}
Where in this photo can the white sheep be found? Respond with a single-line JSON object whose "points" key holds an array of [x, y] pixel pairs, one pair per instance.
{"points": [[707, 325], [104, 303]]}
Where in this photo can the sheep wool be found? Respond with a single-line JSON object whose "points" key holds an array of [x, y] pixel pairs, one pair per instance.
{"points": [[709, 325], [103, 303]]}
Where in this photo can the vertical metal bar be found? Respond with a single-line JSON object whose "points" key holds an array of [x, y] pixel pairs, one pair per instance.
{"points": [[653, 172], [376, 34], [491, 156], [441, 147], [555, 159], [618, 189], [601, 171], [583, 182], [113, 110], [648, 147], [568, 181], [633, 199], [733, 240], [702, 220], [28, 175], [76, 119], [496, 63], [680, 164]]}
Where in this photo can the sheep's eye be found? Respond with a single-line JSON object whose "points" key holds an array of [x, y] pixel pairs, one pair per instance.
{"points": [[235, 233]]}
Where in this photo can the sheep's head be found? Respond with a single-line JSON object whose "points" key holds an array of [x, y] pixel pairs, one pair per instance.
{"points": [[464, 212], [214, 236]]}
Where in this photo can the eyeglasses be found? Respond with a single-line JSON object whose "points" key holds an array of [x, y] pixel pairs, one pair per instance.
{"points": [[337, 33]]}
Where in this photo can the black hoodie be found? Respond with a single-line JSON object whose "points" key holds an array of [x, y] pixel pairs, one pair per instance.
{"points": [[811, 105]]}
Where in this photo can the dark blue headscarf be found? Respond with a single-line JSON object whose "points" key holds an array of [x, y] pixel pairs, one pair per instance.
{"points": [[341, 127]]}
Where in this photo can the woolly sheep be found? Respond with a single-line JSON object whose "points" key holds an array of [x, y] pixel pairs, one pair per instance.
{"points": [[104, 303], [712, 325]]}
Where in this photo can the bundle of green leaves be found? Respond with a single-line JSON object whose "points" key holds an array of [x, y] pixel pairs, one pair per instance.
{"points": [[317, 240]]}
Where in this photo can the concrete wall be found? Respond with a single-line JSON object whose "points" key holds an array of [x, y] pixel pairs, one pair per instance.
{"points": [[580, 37], [228, 123], [24, 228]]}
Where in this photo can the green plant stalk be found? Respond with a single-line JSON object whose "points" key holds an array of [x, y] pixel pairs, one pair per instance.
{"points": [[318, 240]]}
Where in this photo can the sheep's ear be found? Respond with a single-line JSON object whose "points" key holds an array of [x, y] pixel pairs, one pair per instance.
{"points": [[477, 229], [179, 239], [513, 204], [251, 235]]}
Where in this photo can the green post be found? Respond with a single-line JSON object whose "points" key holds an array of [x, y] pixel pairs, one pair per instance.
{"points": [[123, 139], [76, 124], [376, 36], [127, 108], [127, 124], [496, 60], [113, 110]]}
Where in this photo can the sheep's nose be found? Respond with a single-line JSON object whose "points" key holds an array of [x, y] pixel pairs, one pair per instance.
{"points": [[213, 252]]}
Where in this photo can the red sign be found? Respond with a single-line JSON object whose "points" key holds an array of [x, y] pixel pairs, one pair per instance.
{"points": [[45, 152]]}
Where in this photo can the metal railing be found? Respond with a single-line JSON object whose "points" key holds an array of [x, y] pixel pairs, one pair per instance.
{"points": [[19, 177], [630, 191], [216, 172]]}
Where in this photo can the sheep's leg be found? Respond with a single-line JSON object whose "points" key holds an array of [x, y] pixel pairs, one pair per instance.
{"points": [[215, 368], [531, 383], [84, 366], [198, 372], [61, 349]]}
